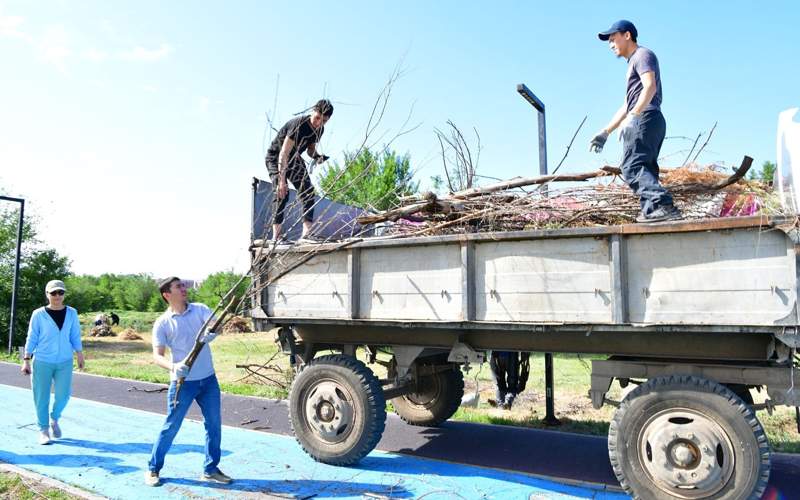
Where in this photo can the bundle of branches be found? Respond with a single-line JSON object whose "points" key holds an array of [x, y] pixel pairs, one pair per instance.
{"points": [[102, 330], [270, 372], [130, 334], [698, 191], [238, 324]]}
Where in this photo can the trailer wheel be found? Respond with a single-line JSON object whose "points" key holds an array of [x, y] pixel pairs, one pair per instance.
{"points": [[688, 437], [337, 409], [437, 398], [742, 391]]}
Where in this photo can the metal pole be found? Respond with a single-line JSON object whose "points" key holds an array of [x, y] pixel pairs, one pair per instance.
{"points": [[525, 92], [542, 144], [16, 268], [537, 103], [550, 412]]}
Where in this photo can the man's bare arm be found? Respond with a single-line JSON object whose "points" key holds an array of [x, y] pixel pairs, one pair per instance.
{"points": [[617, 119], [283, 157], [160, 359]]}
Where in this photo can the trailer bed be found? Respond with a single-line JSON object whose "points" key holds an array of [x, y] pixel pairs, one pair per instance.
{"points": [[689, 282]]}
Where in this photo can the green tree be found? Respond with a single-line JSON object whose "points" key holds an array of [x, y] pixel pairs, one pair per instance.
{"points": [[85, 294], [156, 303], [369, 180], [437, 183], [125, 292], [38, 265], [137, 289], [766, 174], [214, 288]]}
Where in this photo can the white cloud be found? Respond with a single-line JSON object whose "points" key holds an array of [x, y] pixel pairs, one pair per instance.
{"points": [[203, 105], [9, 27], [97, 83], [108, 28], [95, 55], [53, 47], [146, 55], [150, 88]]}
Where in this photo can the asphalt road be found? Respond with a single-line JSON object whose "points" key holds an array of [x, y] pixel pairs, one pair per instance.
{"points": [[555, 454]]}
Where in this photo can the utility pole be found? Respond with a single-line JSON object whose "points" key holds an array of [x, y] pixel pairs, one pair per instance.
{"points": [[16, 267]]}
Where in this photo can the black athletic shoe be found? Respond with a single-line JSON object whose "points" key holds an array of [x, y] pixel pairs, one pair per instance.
{"points": [[281, 241], [310, 238], [661, 214]]}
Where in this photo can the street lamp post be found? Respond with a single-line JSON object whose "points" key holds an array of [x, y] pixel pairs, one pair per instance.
{"points": [[16, 267], [534, 101], [538, 105]]}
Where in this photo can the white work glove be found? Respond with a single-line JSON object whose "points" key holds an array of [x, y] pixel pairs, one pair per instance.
{"points": [[180, 369], [318, 158], [598, 141], [207, 337], [628, 127]]}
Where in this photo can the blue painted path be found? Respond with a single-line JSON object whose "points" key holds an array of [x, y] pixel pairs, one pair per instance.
{"points": [[105, 450]]}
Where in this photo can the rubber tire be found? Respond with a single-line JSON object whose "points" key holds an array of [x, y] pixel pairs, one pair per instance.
{"points": [[742, 391], [752, 452], [449, 389], [369, 409]]}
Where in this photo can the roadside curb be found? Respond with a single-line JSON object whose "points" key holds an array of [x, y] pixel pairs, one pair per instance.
{"points": [[50, 482]]}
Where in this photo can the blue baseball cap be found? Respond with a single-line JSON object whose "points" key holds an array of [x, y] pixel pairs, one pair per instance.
{"points": [[620, 26]]}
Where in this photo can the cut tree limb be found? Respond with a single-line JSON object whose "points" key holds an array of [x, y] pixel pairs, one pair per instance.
{"points": [[454, 202], [529, 181]]}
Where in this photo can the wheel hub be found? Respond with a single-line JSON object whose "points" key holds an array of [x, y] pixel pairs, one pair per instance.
{"points": [[426, 393], [686, 454], [329, 411], [326, 412]]}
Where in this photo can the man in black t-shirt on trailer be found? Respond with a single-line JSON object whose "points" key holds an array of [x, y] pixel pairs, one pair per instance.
{"points": [[285, 164]]}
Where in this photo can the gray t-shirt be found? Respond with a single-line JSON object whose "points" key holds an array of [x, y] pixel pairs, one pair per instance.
{"points": [[178, 331], [640, 62]]}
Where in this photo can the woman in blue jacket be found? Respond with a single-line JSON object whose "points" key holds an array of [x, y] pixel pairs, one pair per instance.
{"points": [[54, 333]]}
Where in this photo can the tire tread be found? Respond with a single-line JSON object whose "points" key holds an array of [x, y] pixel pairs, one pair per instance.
{"points": [[700, 384]]}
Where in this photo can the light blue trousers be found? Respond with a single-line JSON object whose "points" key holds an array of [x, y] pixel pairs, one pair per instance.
{"points": [[47, 375]]}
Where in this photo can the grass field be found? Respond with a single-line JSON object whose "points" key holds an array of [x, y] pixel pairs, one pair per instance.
{"points": [[114, 357], [18, 488]]}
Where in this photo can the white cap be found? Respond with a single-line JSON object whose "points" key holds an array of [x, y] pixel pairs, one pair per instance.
{"points": [[55, 285]]}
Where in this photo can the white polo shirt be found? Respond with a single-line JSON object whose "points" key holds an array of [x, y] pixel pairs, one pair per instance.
{"points": [[178, 331]]}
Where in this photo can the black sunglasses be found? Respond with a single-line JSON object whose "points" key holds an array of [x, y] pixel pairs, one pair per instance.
{"points": [[57, 292]]}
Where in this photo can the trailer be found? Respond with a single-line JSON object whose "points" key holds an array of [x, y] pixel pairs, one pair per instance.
{"points": [[695, 313]]}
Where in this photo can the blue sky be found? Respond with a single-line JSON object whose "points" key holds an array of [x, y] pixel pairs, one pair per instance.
{"points": [[146, 120]]}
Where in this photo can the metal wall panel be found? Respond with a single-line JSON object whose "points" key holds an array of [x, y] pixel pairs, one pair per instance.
{"points": [[567, 280], [316, 289], [742, 277], [423, 283]]}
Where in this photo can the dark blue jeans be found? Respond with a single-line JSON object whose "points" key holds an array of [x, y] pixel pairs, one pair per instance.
{"points": [[206, 393], [640, 162]]}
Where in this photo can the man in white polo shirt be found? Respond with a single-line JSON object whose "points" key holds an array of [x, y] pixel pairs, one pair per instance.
{"points": [[177, 329]]}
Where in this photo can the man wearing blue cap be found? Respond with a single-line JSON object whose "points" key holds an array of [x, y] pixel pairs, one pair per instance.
{"points": [[642, 126]]}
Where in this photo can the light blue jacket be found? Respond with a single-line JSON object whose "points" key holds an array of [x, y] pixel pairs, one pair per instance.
{"points": [[49, 344]]}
